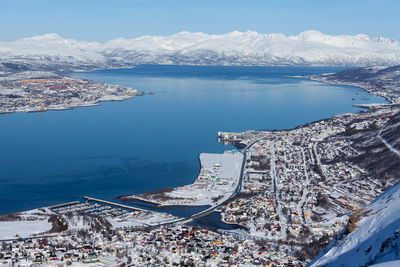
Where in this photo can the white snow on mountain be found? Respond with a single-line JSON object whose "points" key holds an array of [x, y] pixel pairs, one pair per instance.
{"points": [[51, 50], [309, 48], [376, 238], [51, 45], [387, 264]]}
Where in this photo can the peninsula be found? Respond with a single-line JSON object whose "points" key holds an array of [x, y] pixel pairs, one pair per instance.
{"points": [[38, 91]]}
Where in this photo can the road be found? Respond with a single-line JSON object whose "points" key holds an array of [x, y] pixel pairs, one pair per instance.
{"points": [[275, 179]]}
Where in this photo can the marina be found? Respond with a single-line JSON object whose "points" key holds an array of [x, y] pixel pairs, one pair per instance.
{"points": [[118, 215]]}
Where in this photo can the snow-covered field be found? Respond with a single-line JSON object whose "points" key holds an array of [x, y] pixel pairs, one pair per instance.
{"points": [[30, 223], [15, 229]]}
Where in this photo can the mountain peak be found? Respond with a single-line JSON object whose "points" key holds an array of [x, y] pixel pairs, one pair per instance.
{"points": [[47, 36], [234, 48]]}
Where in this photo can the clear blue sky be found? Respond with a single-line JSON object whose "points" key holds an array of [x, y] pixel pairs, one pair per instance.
{"points": [[101, 20]]}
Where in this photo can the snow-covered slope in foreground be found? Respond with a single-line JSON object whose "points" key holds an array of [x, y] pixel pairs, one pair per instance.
{"points": [[376, 238], [235, 48]]}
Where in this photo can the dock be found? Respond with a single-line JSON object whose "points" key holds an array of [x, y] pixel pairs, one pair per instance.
{"points": [[113, 204], [63, 205]]}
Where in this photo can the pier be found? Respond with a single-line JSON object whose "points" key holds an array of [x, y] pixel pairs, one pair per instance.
{"points": [[64, 205], [113, 204]]}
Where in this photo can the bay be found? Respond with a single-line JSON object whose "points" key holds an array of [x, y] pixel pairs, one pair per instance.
{"points": [[153, 141]]}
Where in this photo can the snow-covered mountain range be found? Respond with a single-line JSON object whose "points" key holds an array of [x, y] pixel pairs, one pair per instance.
{"points": [[309, 48]]}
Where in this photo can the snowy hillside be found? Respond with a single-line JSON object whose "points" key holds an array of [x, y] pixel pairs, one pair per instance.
{"points": [[374, 235], [252, 48], [235, 48], [50, 51]]}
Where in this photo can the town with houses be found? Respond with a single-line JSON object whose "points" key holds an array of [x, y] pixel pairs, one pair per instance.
{"points": [[37, 91], [298, 186], [287, 195]]}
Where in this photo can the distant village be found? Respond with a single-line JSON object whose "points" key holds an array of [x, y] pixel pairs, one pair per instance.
{"points": [[57, 93]]}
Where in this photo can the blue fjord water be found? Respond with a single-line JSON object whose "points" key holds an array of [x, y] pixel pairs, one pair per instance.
{"points": [[153, 141]]}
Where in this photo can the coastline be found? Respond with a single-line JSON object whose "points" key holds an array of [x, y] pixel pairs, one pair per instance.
{"points": [[321, 78], [35, 91], [72, 106], [135, 197], [281, 195]]}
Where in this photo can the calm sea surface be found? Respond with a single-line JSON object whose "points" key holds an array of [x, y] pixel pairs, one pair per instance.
{"points": [[153, 141]]}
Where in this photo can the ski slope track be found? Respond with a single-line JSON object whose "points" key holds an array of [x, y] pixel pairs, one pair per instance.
{"points": [[309, 48]]}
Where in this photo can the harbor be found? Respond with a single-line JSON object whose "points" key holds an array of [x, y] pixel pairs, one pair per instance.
{"points": [[147, 149]]}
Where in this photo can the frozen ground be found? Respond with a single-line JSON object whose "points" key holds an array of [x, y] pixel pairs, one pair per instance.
{"points": [[24, 224], [15, 229]]}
